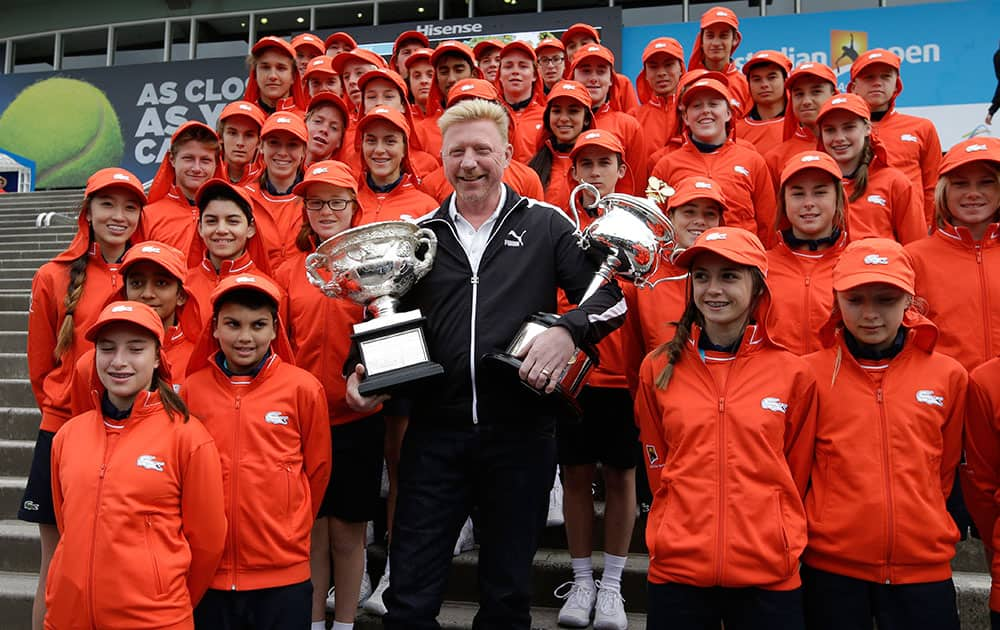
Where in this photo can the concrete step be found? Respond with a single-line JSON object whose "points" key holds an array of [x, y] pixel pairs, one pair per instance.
{"points": [[11, 254], [970, 557], [13, 284], [13, 365], [39, 238], [21, 546], [34, 263], [15, 457], [11, 493], [16, 391], [15, 302], [20, 423], [62, 229], [23, 274], [17, 591], [13, 341], [459, 615], [13, 320]]}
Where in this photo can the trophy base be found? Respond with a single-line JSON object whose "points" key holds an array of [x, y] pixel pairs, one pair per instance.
{"points": [[504, 367], [387, 382]]}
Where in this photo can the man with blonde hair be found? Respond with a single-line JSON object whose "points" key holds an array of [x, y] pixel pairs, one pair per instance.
{"points": [[478, 437]]}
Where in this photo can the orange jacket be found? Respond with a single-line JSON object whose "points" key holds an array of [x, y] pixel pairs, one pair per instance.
{"points": [[52, 380], [651, 312], [960, 280], [171, 220], [557, 191], [202, 279], [742, 174], [981, 474], [526, 124], [801, 282], [658, 119], [913, 147], [622, 97], [273, 436], [426, 128], [888, 441], [141, 518], [631, 135], [728, 465], [518, 176], [776, 158], [278, 219], [764, 134], [889, 208], [403, 200], [320, 330]]}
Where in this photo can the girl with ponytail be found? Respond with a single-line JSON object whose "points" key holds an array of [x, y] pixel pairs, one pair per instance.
{"points": [[66, 295], [727, 421]]}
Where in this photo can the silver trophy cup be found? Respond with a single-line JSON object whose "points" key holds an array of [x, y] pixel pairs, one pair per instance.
{"points": [[631, 235], [374, 265]]}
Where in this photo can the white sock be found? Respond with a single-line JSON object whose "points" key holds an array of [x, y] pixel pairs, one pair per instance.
{"points": [[318, 625], [386, 564], [613, 568], [583, 571], [340, 625]]}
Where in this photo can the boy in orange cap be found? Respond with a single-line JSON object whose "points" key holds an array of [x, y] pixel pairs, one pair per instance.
{"points": [[270, 424], [623, 98], [593, 66], [158, 515], [709, 148], [320, 77], [239, 134], [763, 125], [521, 87], [275, 83], [880, 537], [713, 49], [307, 47], [385, 87], [487, 54], [339, 42], [326, 122], [911, 143], [452, 61], [662, 67], [194, 158], [351, 66], [278, 211], [405, 45], [551, 61]]}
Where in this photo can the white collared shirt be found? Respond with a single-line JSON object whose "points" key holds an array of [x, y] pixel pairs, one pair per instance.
{"points": [[474, 241]]}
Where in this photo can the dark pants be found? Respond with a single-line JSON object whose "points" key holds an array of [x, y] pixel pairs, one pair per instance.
{"points": [[443, 473], [686, 607], [279, 608], [836, 602]]}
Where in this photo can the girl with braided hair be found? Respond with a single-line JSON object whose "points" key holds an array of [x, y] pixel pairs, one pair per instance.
{"points": [[67, 294]]}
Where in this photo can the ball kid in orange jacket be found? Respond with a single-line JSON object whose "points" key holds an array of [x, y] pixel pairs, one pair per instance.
{"points": [[709, 150], [419, 79], [662, 67], [452, 61], [319, 76], [137, 486], [275, 84], [763, 124], [578, 36], [327, 123], [520, 84], [387, 88], [958, 266], [911, 142], [728, 422], [713, 49], [812, 235], [881, 201], [277, 212], [888, 441], [269, 421], [239, 138]]}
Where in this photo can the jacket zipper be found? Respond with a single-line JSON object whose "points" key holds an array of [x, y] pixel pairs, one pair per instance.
{"points": [[807, 332], [233, 525], [984, 288], [108, 449], [887, 478], [721, 549]]}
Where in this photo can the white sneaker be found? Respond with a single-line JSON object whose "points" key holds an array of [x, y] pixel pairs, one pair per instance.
{"points": [[579, 606], [363, 595], [374, 604], [555, 517], [466, 538], [609, 613]]}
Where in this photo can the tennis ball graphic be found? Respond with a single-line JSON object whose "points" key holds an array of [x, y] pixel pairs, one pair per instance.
{"points": [[68, 127]]}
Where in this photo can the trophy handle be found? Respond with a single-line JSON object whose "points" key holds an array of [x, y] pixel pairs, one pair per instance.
{"points": [[313, 262], [428, 238], [583, 187]]}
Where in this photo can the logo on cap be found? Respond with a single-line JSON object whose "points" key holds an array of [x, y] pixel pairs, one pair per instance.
{"points": [[807, 66], [659, 45], [703, 185], [245, 280], [810, 158], [874, 55], [763, 55], [716, 236], [380, 110], [318, 62], [877, 199], [319, 170], [975, 147], [592, 135], [467, 87], [283, 120], [121, 177], [701, 83], [838, 101], [721, 14], [121, 309], [875, 259], [245, 108], [149, 249], [568, 86]]}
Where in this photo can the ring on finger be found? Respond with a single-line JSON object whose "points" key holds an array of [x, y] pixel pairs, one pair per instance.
{"points": [[546, 373]]}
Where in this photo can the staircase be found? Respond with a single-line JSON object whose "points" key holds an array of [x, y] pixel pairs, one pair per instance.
{"points": [[25, 245]]}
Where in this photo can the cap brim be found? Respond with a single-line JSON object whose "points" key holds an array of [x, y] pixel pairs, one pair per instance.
{"points": [[853, 280]]}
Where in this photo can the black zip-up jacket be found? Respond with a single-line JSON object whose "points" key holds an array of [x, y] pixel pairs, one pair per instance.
{"points": [[531, 252]]}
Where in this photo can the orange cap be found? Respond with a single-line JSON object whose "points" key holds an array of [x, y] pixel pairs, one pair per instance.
{"points": [[420, 54], [308, 40], [706, 85], [390, 115], [362, 55], [844, 103], [580, 29], [549, 42], [483, 47], [592, 52], [570, 89], [597, 138], [452, 47], [285, 121], [117, 177], [872, 57], [246, 281], [691, 188], [768, 56], [320, 66], [166, 256], [125, 311], [734, 244], [719, 15], [811, 69], [407, 36], [216, 183], [327, 172], [807, 160], [165, 175], [389, 75], [343, 38], [979, 148], [871, 260], [273, 42], [519, 44], [329, 98], [663, 45], [244, 109], [472, 88]]}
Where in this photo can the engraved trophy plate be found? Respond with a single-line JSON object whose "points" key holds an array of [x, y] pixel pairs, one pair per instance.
{"points": [[374, 265]]}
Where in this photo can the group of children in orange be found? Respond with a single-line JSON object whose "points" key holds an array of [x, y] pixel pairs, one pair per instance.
{"points": [[796, 375]]}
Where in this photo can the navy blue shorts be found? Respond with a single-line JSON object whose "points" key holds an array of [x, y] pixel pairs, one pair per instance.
{"points": [[607, 433], [36, 505], [356, 477]]}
